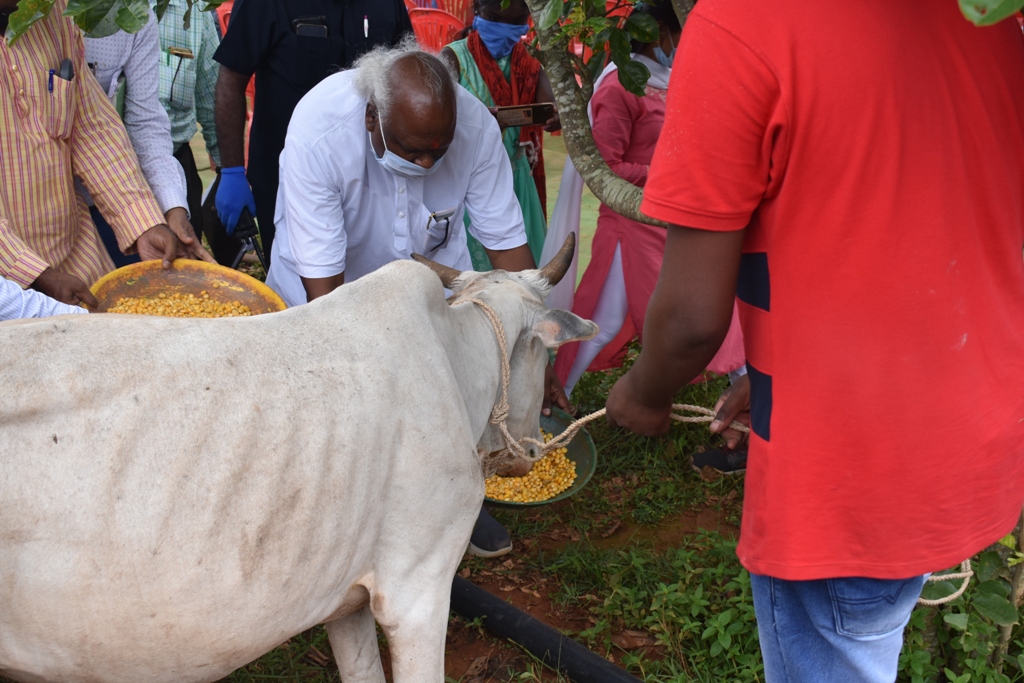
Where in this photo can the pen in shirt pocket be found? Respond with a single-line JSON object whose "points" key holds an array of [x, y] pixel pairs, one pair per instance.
{"points": [[49, 84]]}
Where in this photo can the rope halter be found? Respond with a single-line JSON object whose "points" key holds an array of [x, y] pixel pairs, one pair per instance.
{"points": [[515, 449]]}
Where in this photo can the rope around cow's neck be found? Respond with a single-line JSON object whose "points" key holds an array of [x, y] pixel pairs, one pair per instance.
{"points": [[499, 414], [499, 417]]}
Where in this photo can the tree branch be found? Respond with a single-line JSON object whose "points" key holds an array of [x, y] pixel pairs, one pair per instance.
{"points": [[621, 196], [682, 8]]}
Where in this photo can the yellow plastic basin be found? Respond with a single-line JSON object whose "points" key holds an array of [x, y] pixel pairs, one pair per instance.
{"points": [[149, 279]]}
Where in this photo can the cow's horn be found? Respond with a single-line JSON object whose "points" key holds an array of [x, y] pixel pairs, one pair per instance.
{"points": [[556, 268], [447, 275]]}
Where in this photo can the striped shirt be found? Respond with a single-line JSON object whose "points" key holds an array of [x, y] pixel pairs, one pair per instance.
{"points": [[50, 130], [187, 85]]}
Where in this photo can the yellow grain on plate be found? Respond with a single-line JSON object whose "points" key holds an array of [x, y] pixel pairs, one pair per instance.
{"points": [[180, 305], [550, 475]]}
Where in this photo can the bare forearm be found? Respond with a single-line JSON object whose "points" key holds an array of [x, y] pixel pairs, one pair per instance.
{"points": [[689, 312], [515, 259], [229, 114], [318, 286]]}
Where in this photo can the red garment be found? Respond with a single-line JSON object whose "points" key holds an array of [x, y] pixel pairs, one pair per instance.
{"points": [[626, 130], [875, 149], [524, 71]]}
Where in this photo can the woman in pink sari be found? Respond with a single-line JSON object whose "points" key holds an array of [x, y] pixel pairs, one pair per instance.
{"points": [[626, 255]]}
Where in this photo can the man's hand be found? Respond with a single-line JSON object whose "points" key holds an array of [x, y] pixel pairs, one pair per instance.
{"points": [[554, 123], [733, 404], [177, 221], [625, 409], [159, 242], [554, 393], [233, 195], [65, 288]]}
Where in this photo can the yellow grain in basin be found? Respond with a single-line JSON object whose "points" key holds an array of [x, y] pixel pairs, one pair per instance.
{"points": [[550, 475], [178, 305]]}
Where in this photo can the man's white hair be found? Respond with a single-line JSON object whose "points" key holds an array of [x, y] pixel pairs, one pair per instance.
{"points": [[373, 71]]}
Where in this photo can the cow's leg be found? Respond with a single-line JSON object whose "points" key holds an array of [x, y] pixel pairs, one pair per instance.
{"points": [[417, 644], [354, 643], [416, 624]]}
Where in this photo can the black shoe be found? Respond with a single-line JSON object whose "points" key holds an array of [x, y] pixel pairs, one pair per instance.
{"points": [[721, 459], [489, 538]]}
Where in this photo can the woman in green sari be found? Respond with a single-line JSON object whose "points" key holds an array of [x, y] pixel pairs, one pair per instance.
{"points": [[495, 66]]}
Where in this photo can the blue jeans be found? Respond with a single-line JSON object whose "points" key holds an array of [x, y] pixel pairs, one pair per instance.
{"points": [[845, 630]]}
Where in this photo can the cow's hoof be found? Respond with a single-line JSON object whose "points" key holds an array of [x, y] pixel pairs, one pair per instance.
{"points": [[489, 538]]}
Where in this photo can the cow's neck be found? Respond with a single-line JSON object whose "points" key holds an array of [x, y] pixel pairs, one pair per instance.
{"points": [[476, 361]]}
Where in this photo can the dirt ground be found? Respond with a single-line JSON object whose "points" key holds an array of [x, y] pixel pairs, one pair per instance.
{"points": [[472, 655]]}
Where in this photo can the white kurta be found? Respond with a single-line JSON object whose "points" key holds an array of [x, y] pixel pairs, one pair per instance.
{"points": [[339, 210]]}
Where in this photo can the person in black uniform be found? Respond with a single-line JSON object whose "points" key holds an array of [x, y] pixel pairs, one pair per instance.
{"points": [[291, 45]]}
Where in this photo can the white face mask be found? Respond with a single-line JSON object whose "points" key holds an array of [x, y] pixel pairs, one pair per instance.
{"points": [[397, 164]]}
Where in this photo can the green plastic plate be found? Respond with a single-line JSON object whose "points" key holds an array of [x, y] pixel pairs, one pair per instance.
{"points": [[581, 451]]}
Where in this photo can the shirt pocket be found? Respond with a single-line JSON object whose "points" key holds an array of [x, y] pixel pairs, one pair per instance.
{"points": [[181, 77], [61, 105], [311, 59], [434, 229]]}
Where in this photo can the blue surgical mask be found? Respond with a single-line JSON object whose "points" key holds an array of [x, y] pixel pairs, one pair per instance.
{"points": [[665, 59], [499, 38], [397, 164]]}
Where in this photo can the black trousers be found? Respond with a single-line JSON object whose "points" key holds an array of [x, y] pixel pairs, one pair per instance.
{"points": [[204, 217]]}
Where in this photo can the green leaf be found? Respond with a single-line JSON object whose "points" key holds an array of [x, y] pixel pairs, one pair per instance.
{"points": [[995, 607], [550, 15], [133, 15], [995, 587], [618, 45], [1009, 541], [988, 12], [957, 621], [160, 7], [28, 13], [988, 565], [642, 27], [633, 77], [939, 589], [95, 17]]}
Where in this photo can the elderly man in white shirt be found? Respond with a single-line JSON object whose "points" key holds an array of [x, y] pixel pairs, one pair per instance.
{"points": [[382, 161], [134, 60]]}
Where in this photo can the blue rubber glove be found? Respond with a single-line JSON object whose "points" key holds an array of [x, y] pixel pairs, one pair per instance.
{"points": [[233, 195]]}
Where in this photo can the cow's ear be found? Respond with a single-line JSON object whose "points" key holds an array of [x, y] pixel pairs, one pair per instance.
{"points": [[555, 327]]}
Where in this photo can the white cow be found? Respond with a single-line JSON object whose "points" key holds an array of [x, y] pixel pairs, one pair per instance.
{"points": [[178, 497]]}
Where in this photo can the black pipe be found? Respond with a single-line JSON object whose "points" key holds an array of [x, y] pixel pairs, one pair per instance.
{"points": [[543, 642]]}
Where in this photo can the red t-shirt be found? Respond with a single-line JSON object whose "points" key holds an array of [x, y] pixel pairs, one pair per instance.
{"points": [[874, 152]]}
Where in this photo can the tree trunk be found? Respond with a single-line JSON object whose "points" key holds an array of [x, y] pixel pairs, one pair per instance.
{"points": [[682, 8], [1016, 596], [621, 196]]}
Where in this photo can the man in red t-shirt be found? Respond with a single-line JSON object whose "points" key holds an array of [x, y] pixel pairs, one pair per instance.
{"points": [[854, 174]]}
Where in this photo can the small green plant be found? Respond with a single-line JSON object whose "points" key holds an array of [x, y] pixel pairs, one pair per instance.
{"points": [[975, 638]]}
